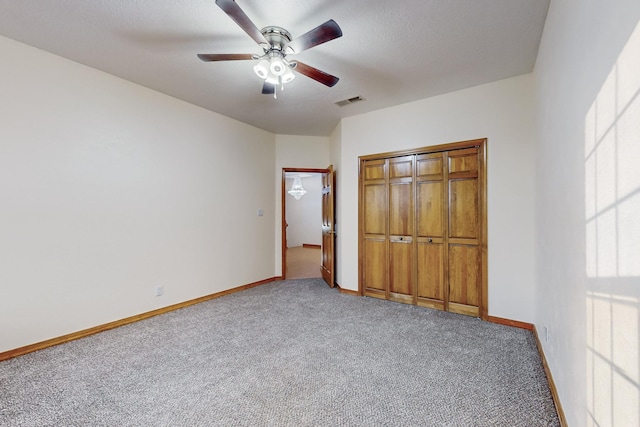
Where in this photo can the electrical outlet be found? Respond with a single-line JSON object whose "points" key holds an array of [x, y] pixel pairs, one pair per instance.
{"points": [[546, 333], [159, 291], [260, 212]]}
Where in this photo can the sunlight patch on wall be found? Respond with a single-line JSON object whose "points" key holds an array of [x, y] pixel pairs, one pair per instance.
{"points": [[612, 221], [612, 170], [613, 392]]}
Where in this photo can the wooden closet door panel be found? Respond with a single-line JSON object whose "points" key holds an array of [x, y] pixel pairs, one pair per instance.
{"points": [[401, 270], [431, 274], [429, 166], [375, 209], [401, 209], [464, 201], [464, 160], [430, 209], [375, 266], [373, 169], [463, 209], [401, 196], [400, 167], [464, 279]]}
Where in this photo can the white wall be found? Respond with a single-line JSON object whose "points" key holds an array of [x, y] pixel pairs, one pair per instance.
{"points": [[304, 216], [109, 189], [588, 208], [503, 113], [295, 151]]}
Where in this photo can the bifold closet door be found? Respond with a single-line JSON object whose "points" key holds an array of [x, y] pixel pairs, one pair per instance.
{"points": [[422, 227], [401, 211], [464, 257], [374, 228], [431, 226]]}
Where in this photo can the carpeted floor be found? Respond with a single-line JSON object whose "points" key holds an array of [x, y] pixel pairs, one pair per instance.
{"points": [[290, 353]]}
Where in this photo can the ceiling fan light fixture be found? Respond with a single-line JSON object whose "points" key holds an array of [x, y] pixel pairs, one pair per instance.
{"points": [[262, 68], [277, 66], [274, 69], [274, 80], [288, 75]]}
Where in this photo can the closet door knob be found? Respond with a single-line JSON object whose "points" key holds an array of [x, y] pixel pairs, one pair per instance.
{"points": [[430, 240]]}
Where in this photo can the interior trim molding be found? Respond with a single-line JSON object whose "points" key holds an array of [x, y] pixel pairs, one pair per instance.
{"points": [[117, 323], [283, 212], [509, 322], [552, 385], [309, 245]]}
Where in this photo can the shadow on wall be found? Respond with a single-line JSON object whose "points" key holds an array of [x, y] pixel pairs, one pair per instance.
{"points": [[612, 220]]}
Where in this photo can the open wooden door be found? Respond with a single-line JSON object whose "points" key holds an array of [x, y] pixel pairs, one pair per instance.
{"points": [[328, 227]]}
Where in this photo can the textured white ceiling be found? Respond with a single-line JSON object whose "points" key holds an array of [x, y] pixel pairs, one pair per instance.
{"points": [[391, 52]]}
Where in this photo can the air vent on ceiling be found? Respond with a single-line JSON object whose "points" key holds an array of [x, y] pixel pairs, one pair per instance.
{"points": [[350, 101]]}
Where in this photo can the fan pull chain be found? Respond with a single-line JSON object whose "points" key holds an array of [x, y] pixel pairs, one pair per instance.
{"points": [[275, 87]]}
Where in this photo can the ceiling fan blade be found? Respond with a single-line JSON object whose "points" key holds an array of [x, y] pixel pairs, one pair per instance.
{"points": [[321, 34], [231, 8], [315, 74], [224, 56], [268, 88]]}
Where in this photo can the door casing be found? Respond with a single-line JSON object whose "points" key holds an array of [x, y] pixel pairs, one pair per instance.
{"points": [[284, 210]]}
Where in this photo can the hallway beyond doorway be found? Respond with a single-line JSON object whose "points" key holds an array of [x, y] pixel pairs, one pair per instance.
{"points": [[303, 262]]}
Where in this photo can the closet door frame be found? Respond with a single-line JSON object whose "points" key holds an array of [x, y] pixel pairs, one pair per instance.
{"points": [[481, 145]]}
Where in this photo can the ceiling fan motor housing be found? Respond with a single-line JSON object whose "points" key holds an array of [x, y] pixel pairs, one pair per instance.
{"points": [[277, 37]]}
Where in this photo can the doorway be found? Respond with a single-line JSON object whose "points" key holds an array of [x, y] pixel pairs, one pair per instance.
{"points": [[305, 243]]}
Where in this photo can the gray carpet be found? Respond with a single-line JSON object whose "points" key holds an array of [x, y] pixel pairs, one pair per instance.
{"points": [[290, 353]]}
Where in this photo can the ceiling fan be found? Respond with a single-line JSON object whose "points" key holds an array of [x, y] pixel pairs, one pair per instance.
{"points": [[273, 66]]}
